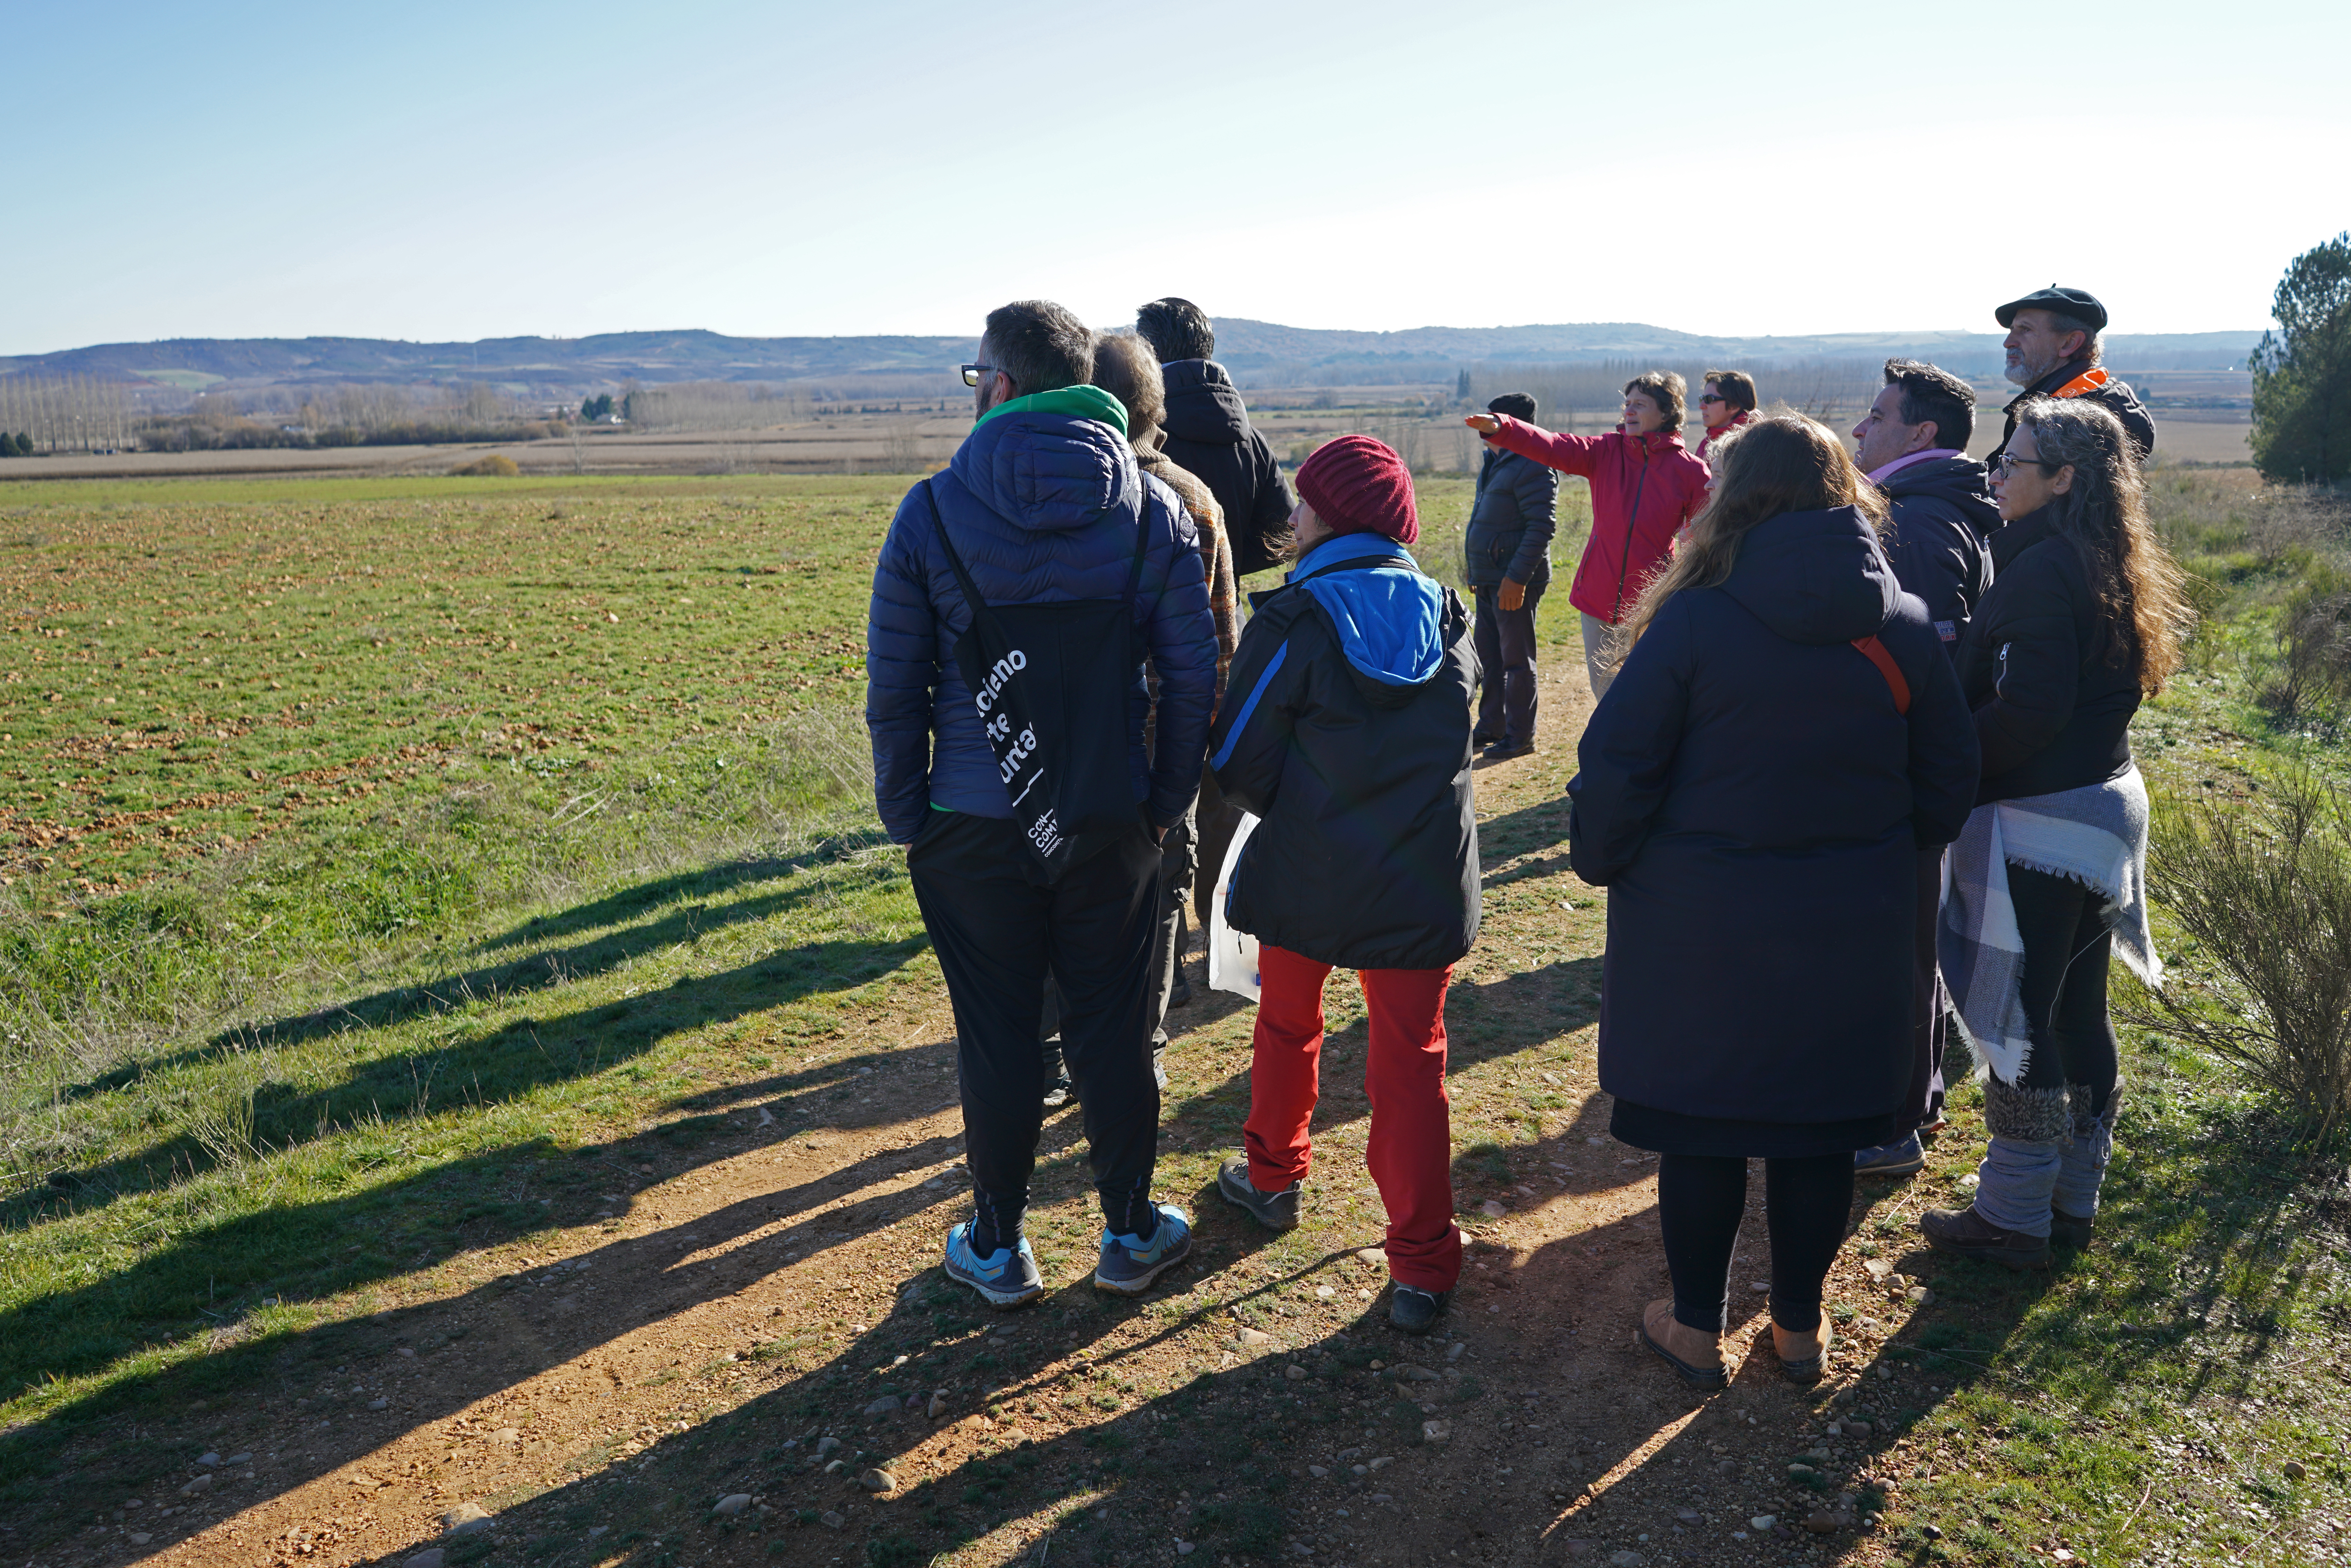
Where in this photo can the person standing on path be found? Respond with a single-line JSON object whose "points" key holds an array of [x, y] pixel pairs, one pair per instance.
{"points": [[1913, 446], [2056, 343], [1209, 433], [1505, 560], [1784, 738], [1727, 403], [2083, 621], [1644, 486], [1347, 732], [1045, 545]]}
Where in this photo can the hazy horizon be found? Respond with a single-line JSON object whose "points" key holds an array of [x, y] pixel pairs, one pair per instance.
{"points": [[445, 175]]}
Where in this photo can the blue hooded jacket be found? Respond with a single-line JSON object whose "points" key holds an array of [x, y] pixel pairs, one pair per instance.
{"points": [[1347, 727], [1042, 506]]}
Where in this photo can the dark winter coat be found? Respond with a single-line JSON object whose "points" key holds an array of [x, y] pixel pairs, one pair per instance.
{"points": [[1208, 434], [1942, 512], [1512, 520], [1346, 729], [2116, 395], [1644, 488], [2052, 711], [1042, 506], [1755, 802]]}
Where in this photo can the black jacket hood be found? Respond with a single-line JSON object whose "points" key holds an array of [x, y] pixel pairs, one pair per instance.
{"points": [[1815, 577], [1203, 404], [1962, 481]]}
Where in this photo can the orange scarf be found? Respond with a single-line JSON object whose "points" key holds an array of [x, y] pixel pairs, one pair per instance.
{"points": [[2088, 381]]}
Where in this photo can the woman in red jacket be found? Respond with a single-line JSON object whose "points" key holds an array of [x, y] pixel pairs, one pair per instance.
{"points": [[1644, 486]]}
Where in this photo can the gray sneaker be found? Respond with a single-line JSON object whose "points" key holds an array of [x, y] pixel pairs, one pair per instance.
{"points": [[1274, 1210]]}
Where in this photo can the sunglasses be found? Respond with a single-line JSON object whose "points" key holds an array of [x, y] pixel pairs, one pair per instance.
{"points": [[1709, 397], [971, 373]]}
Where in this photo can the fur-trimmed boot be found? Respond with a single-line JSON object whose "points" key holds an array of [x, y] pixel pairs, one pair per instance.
{"points": [[2008, 1222], [2089, 1148]]}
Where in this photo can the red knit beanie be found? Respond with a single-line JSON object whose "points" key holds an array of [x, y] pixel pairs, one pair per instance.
{"points": [[1359, 486]]}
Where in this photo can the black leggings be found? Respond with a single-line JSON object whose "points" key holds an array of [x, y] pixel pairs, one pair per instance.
{"points": [[2066, 944], [1700, 1200]]}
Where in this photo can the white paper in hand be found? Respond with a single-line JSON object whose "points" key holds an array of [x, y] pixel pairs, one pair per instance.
{"points": [[1232, 954]]}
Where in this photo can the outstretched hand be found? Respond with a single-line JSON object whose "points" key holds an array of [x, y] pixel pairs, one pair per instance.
{"points": [[1483, 423]]}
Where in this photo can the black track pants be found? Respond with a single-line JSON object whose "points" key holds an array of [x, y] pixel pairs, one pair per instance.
{"points": [[1700, 1200], [996, 932]]}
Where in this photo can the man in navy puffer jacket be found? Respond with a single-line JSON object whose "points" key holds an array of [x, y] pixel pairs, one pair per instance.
{"points": [[1043, 502]]}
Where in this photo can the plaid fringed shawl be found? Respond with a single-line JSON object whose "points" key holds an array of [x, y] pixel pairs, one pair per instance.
{"points": [[2096, 836]]}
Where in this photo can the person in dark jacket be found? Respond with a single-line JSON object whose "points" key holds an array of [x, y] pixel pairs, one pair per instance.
{"points": [[1209, 433], [1913, 446], [1505, 560], [1644, 486], [1784, 739], [2083, 620], [1044, 505], [2055, 341], [1347, 732]]}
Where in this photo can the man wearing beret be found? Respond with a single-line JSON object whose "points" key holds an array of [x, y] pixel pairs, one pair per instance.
{"points": [[2054, 343], [1345, 729]]}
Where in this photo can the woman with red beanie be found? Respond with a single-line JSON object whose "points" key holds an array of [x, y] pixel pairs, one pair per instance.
{"points": [[1345, 728], [1646, 485]]}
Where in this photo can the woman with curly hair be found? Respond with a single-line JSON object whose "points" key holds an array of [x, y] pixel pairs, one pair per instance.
{"points": [[2083, 619]]}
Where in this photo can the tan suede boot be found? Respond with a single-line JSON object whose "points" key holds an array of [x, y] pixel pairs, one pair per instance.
{"points": [[1803, 1357], [1695, 1353]]}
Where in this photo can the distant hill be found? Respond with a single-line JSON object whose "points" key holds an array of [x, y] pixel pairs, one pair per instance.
{"points": [[1258, 352]]}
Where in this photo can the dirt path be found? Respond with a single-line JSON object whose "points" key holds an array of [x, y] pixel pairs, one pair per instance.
{"points": [[744, 1304]]}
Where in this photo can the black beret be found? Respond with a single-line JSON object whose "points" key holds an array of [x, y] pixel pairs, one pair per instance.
{"points": [[2079, 303], [1518, 405]]}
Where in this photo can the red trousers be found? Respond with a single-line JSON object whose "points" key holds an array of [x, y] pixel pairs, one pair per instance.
{"points": [[1410, 1151]]}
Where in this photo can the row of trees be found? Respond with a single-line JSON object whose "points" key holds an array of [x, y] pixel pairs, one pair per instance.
{"points": [[2302, 371], [67, 413]]}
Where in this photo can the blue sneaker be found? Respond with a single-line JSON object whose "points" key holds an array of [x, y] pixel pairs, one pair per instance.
{"points": [[1904, 1156], [1005, 1279], [1128, 1268]]}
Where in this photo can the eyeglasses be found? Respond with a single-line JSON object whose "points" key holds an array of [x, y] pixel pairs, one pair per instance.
{"points": [[2009, 460], [1709, 397], [971, 373]]}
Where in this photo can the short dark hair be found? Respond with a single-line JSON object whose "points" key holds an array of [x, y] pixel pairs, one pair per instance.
{"points": [[1176, 329], [1666, 390], [1040, 345], [1518, 405], [1123, 367], [1934, 395], [1737, 388]]}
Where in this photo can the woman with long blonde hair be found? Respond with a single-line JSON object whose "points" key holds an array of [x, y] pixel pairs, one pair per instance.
{"points": [[1783, 739], [2084, 619]]}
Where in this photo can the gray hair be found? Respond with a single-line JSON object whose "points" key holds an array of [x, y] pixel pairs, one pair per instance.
{"points": [[2063, 324], [1040, 345], [1128, 369]]}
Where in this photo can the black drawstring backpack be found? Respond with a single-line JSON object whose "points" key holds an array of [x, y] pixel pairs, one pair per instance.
{"points": [[1052, 683]]}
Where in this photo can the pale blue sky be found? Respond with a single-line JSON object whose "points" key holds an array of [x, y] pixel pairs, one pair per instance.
{"points": [[441, 171]]}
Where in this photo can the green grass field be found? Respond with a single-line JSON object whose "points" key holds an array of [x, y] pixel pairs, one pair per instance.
{"points": [[388, 861]]}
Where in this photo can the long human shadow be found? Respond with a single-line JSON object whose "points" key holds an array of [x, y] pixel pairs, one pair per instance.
{"points": [[1135, 1466], [488, 1066], [211, 1284], [628, 902], [454, 989]]}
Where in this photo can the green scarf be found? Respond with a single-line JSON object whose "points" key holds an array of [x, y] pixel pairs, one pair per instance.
{"points": [[1079, 402]]}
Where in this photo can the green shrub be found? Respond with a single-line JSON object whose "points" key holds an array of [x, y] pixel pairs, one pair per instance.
{"points": [[2263, 888]]}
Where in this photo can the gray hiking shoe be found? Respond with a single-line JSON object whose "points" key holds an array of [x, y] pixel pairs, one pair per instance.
{"points": [[1274, 1210]]}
